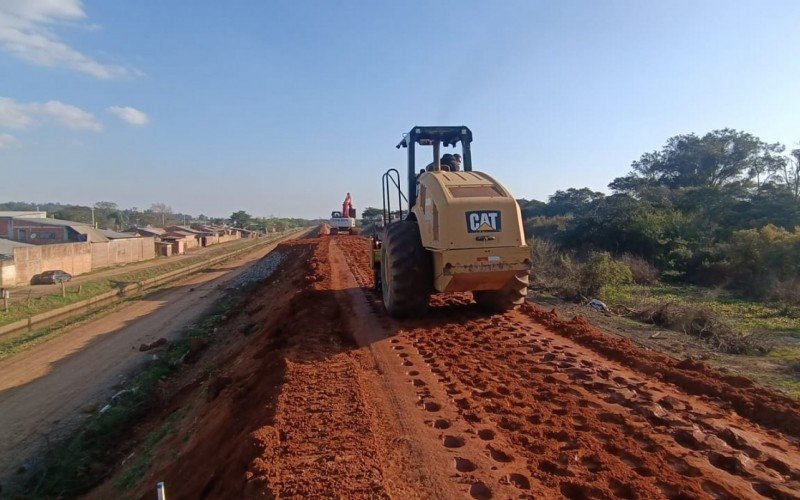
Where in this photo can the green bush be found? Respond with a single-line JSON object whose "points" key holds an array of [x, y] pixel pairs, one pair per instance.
{"points": [[552, 270], [644, 273], [602, 271], [765, 261]]}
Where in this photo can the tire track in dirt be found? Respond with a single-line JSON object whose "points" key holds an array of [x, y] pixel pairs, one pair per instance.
{"points": [[551, 416], [431, 454]]}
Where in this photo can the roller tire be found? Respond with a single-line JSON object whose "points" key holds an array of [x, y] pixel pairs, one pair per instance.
{"points": [[511, 296], [406, 271]]}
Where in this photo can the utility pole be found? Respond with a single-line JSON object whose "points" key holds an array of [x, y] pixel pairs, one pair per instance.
{"points": [[93, 222]]}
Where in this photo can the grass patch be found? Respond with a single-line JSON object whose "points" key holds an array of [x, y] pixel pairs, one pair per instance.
{"points": [[749, 316], [80, 462], [786, 354], [16, 344], [790, 386], [141, 463], [702, 323]]}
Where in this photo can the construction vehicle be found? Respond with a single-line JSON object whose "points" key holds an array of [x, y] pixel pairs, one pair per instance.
{"points": [[461, 231], [344, 221]]}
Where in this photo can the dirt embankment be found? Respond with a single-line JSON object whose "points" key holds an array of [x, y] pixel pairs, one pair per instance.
{"points": [[453, 405], [255, 410]]}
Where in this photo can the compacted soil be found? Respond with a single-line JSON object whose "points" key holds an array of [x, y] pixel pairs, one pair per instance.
{"points": [[314, 392]]}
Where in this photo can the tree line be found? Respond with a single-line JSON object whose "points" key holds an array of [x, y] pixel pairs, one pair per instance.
{"points": [[718, 209], [108, 215]]}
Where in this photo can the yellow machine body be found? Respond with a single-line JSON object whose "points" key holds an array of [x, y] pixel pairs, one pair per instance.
{"points": [[472, 226]]}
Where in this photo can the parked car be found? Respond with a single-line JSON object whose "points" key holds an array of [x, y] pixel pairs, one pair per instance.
{"points": [[50, 277]]}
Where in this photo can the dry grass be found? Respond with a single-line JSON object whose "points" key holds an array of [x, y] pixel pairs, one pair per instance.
{"points": [[700, 322], [644, 273]]}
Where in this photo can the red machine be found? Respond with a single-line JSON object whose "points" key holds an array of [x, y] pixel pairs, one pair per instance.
{"points": [[347, 207]]}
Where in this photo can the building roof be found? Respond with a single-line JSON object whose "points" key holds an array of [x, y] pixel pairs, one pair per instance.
{"points": [[183, 234], [158, 231], [183, 228], [23, 213], [92, 234], [7, 246], [115, 235]]}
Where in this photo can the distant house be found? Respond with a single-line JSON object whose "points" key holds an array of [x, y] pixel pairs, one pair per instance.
{"points": [[191, 239], [176, 241], [43, 231], [23, 213], [185, 229], [155, 232], [211, 235], [246, 233], [164, 248], [116, 235]]}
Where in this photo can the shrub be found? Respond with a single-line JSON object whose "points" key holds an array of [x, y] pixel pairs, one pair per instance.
{"points": [[764, 262], [601, 271], [553, 270], [644, 273], [788, 291]]}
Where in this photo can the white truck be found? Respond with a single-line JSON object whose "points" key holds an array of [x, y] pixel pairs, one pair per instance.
{"points": [[340, 224]]}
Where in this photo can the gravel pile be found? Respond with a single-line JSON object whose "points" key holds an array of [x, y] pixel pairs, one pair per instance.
{"points": [[259, 271]]}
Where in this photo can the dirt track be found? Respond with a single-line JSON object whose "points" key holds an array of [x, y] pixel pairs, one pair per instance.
{"points": [[458, 404]]}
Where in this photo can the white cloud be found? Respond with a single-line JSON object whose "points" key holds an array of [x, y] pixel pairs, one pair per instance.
{"points": [[130, 115], [26, 30], [8, 141], [18, 115]]}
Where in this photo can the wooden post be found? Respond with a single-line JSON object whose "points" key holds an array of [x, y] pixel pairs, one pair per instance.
{"points": [[63, 289], [80, 289], [6, 297]]}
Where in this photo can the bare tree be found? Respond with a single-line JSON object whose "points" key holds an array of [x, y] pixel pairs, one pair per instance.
{"points": [[791, 173], [161, 209]]}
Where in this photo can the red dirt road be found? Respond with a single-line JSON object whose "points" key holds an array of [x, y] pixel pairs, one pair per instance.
{"points": [[333, 398]]}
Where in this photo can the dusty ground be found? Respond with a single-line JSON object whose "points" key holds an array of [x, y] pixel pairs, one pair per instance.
{"points": [[44, 391], [329, 397]]}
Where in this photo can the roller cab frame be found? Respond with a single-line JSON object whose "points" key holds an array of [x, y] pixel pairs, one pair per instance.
{"points": [[467, 226]]}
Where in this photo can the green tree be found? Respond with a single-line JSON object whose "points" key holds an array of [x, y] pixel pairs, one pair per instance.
{"points": [[240, 219], [118, 218], [716, 159], [787, 174], [532, 208], [572, 201], [371, 213]]}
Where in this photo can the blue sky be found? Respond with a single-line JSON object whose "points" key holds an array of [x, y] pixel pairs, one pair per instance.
{"points": [[280, 108]]}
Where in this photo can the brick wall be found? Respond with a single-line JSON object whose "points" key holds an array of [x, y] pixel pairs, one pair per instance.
{"points": [[123, 251], [74, 258]]}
